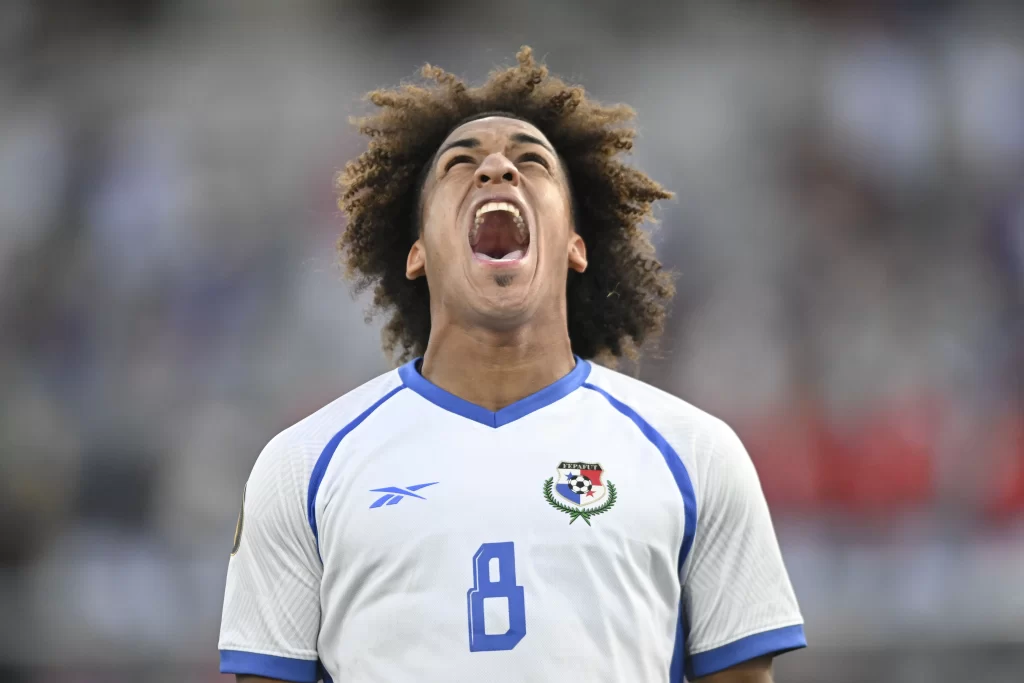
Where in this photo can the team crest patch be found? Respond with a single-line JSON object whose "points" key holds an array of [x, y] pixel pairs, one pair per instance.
{"points": [[580, 491]]}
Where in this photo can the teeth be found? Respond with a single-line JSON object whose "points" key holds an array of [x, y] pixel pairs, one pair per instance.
{"points": [[496, 206], [521, 231], [522, 234]]}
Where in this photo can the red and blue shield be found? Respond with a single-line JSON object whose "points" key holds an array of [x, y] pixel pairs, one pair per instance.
{"points": [[580, 483]]}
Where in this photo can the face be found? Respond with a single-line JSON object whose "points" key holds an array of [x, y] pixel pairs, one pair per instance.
{"points": [[497, 237]]}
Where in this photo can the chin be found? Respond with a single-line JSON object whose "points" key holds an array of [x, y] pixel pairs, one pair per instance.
{"points": [[504, 302]]}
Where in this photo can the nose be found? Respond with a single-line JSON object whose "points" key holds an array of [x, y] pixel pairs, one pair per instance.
{"points": [[497, 169]]}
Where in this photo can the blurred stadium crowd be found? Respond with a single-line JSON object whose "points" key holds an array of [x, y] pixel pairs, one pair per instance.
{"points": [[848, 234]]}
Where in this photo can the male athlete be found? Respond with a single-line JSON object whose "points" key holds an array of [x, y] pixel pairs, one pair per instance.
{"points": [[502, 509]]}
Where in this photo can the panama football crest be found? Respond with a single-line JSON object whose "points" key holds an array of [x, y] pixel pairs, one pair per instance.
{"points": [[580, 491]]}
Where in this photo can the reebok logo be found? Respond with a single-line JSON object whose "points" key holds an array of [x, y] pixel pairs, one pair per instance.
{"points": [[393, 495]]}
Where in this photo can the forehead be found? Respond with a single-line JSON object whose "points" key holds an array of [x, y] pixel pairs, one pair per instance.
{"points": [[494, 129]]}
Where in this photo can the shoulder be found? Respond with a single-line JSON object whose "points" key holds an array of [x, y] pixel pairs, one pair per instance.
{"points": [[696, 437], [678, 420], [300, 445]]}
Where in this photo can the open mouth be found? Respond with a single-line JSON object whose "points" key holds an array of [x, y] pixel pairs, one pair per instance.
{"points": [[499, 233]]}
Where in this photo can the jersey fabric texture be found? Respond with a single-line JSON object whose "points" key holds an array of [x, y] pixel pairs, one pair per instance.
{"points": [[600, 528]]}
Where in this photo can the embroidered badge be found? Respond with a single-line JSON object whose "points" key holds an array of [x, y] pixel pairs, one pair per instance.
{"points": [[582, 488]]}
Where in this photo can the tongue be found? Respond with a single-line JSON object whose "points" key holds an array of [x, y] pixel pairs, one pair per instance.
{"points": [[511, 256]]}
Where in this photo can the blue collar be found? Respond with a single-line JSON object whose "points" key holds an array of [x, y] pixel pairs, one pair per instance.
{"points": [[412, 378]]}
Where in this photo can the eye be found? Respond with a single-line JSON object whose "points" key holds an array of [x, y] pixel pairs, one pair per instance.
{"points": [[533, 156], [461, 159]]}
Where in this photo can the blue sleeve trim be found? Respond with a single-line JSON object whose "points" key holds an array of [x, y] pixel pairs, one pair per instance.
{"points": [[773, 642], [682, 479], [268, 666], [320, 469]]}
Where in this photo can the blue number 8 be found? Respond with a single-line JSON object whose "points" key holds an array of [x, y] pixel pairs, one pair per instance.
{"points": [[504, 587]]}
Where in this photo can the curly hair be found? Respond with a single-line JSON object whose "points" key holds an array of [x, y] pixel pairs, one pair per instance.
{"points": [[613, 308]]}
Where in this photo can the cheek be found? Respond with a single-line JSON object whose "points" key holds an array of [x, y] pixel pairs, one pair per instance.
{"points": [[553, 214], [440, 220]]}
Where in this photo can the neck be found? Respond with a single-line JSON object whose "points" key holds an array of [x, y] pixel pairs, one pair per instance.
{"points": [[496, 369]]}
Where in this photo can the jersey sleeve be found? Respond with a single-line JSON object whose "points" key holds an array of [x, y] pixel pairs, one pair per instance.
{"points": [[271, 616], [737, 598]]}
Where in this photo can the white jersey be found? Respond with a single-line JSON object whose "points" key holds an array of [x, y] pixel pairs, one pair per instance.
{"points": [[600, 529]]}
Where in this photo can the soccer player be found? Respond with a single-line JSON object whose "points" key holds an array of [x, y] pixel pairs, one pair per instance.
{"points": [[502, 509]]}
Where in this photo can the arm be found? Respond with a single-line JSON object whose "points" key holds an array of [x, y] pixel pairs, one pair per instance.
{"points": [[737, 598], [755, 671], [271, 615]]}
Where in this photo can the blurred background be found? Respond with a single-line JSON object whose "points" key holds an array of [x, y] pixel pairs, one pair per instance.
{"points": [[848, 234]]}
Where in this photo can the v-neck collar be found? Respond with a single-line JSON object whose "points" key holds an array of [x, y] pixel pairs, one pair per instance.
{"points": [[412, 378]]}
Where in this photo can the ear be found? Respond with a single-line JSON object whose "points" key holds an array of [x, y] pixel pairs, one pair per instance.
{"points": [[416, 263], [577, 253]]}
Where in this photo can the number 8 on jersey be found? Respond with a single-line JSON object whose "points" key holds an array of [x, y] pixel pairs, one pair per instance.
{"points": [[486, 585]]}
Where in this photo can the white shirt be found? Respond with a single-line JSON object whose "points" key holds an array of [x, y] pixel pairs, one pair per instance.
{"points": [[600, 529]]}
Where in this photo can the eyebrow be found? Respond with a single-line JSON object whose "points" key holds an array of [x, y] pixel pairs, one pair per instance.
{"points": [[465, 142], [529, 139], [472, 143]]}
